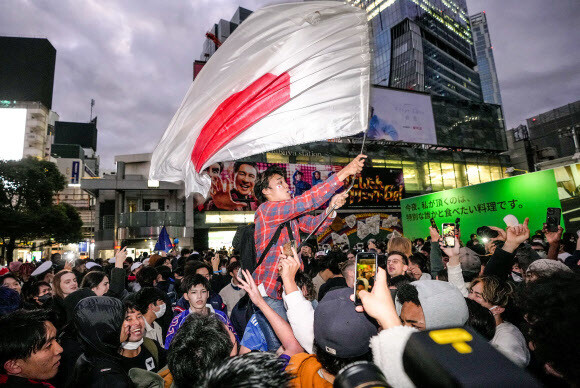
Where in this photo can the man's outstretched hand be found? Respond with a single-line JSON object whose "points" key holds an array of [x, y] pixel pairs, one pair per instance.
{"points": [[353, 168]]}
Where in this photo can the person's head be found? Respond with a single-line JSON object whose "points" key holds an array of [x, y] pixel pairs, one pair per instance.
{"points": [[255, 369], [397, 263], [430, 304], [96, 281], [215, 169], [199, 344], [271, 185], [150, 302], [316, 174], [164, 273], [543, 268], [198, 268], [418, 264], [348, 272], [539, 248], [551, 309], [39, 293], [480, 319], [11, 281], [64, 283], [147, 277], [491, 293], [351, 254], [334, 260], [305, 285], [9, 300], [418, 243], [245, 177], [297, 176], [98, 321], [341, 335], [28, 346], [195, 290], [397, 281], [400, 244], [470, 263], [306, 251], [525, 256], [232, 270], [372, 244], [134, 323]]}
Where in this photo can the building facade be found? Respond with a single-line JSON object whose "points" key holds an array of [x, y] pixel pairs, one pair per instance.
{"points": [[485, 60], [131, 210], [423, 45], [221, 31]]}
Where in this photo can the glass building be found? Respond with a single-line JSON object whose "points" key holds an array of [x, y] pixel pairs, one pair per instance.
{"points": [[222, 30], [485, 61], [423, 45]]}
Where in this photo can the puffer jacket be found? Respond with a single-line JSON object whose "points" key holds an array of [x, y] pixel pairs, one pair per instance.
{"points": [[98, 321]]}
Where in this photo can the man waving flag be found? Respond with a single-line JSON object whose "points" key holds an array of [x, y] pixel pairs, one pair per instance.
{"points": [[290, 74]]}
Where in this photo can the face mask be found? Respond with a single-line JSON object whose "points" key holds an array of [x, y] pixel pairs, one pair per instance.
{"points": [[161, 312], [44, 298], [132, 345], [517, 277]]}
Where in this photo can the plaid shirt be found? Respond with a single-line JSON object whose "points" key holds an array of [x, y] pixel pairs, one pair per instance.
{"points": [[271, 214]]}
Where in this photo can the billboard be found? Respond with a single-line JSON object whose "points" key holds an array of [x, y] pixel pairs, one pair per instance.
{"points": [[353, 228], [233, 185], [71, 169], [568, 186], [401, 116], [12, 132], [527, 195]]}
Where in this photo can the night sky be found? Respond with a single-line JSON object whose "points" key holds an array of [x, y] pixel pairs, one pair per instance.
{"points": [[135, 58]]}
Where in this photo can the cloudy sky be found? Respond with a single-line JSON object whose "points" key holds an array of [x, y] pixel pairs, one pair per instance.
{"points": [[134, 57]]}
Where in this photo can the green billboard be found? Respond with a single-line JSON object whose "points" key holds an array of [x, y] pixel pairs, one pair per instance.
{"points": [[488, 203]]}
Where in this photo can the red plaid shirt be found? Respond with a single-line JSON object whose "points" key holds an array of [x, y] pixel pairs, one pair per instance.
{"points": [[271, 214]]}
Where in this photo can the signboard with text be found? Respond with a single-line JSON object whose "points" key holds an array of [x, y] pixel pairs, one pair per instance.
{"points": [[527, 195]]}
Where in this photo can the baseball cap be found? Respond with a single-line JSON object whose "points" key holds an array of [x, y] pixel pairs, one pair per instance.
{"points": [[92, 264], [339, 329], [42, 268], [136, 265]]}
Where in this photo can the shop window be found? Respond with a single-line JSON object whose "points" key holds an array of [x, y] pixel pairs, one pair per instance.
{"points": [[152, 205], [472, 174], [448, 174], [435, 176]]}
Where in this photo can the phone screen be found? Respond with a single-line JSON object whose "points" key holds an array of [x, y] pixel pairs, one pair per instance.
{"points": [[366, 269], [448, 234]]}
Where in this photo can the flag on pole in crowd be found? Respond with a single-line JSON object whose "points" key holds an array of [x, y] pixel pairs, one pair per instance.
{"points": [[289, 74], [163, 241]]}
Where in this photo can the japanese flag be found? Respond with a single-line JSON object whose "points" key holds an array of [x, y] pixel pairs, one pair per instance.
{"points": [[289, 74]]}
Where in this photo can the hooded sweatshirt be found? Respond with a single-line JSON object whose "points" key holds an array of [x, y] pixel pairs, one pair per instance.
{"points": [[98, 321], [442, 303]]}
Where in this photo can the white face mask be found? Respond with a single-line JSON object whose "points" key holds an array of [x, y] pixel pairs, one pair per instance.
{"points": [[542, 254], [132, 345], [517, 277], [161, 311]]}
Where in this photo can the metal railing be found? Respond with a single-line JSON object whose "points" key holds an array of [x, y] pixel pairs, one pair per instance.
{"points": [[148, 219]]}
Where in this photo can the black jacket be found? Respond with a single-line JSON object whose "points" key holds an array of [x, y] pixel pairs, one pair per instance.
{"points": [[98, 321]]}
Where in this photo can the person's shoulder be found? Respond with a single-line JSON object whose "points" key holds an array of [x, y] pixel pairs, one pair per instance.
{"points": [[299, 360]]}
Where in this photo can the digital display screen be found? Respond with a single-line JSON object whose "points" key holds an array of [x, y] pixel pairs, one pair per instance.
{"points": [[12, 132]]}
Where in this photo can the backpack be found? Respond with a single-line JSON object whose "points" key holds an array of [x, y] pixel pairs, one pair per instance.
{"points": [[244, 242]]}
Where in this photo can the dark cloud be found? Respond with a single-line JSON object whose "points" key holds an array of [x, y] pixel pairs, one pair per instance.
{"points": [[535, 52], [135, 57]]}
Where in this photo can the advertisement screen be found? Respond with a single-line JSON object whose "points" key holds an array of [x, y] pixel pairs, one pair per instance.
{"points": [[485, 204], [12, 131], [401, 116], [233, 185], [568, 185]]}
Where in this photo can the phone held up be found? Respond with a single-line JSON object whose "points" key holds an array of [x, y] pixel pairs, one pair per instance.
{"points": [[434, 225], [366, 269], [553, 215], [448, 236]]}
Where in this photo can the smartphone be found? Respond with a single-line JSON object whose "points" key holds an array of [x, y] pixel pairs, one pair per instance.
{"points": [[553, 215], [448, 229], [366, 269], [457, 231], [434, 225]]}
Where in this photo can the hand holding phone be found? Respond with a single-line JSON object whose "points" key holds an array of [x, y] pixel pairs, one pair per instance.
{"points": [[366, 269], [553, 215]]}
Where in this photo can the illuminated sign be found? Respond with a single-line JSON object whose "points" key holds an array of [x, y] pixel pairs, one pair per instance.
{"points": [[12, 131]]}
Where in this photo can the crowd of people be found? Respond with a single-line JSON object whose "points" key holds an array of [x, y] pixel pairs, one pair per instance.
{"points": [[207, 319]]}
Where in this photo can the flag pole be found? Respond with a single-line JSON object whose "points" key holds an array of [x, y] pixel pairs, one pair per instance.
{"points": [[333, 208]]}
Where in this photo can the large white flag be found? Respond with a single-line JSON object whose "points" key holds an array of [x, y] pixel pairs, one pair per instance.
{"points": [[290, 74]]}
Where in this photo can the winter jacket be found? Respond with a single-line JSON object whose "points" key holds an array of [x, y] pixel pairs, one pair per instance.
{"points": [[98, 321]]}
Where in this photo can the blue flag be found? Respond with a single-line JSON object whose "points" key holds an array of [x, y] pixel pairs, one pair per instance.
{"points": [[163, 241]]}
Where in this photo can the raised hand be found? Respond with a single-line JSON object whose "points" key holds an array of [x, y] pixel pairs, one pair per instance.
{"points": [[249, 285], [288, 266], [378, 303], [338, 200], [120, 257], [553, 237], [222, 196], [451, 251], [353, 168], [516, 235], [435, 236]]}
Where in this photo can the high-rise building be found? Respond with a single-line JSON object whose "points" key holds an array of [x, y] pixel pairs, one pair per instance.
{"points": [[27, 70], [423, 45], [485, 61], [221, 31]]}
